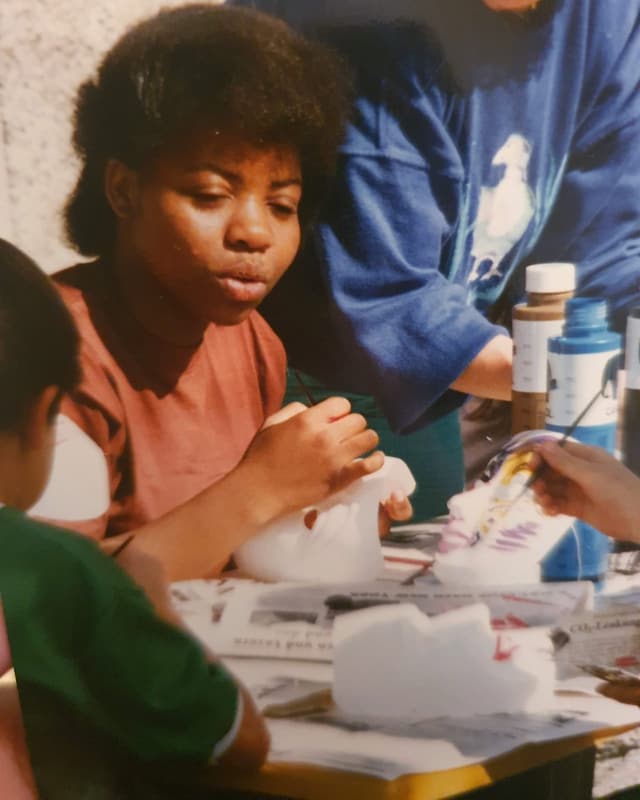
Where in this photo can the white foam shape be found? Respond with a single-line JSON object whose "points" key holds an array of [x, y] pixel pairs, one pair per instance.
{"points": [[342, 545], [78, 486], [395, 663]]}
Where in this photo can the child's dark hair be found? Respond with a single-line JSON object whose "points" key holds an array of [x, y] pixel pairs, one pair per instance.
{"points": [[232, 69], [38, 340]]}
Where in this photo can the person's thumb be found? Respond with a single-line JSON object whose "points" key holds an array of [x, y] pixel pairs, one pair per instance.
{"points": [[283, 414]]}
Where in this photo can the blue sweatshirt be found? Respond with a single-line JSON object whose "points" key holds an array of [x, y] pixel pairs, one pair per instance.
{"points": [[480, 143]]}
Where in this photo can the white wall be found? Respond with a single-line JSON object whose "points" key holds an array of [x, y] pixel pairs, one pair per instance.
{"points": [[47, 47]]}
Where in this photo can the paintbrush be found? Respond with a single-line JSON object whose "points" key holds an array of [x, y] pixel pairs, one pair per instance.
{"points": [[121, 546], [303, 387]]}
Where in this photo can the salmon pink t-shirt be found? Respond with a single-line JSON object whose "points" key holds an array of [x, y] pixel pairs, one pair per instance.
{"points": [[169, 419]]}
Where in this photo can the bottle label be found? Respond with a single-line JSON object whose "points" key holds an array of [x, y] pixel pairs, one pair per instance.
{"points": [[574, 380], [530, 353], [633, 353]]}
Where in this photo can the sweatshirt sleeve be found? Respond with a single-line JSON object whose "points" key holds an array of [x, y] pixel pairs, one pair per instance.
{"points": [[407, 329]]}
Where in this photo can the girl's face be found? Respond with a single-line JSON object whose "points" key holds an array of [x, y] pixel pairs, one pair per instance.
{"points": [[215, 222]]}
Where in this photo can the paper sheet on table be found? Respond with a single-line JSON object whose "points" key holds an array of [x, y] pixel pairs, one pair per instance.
{"points": [[607, 638], [293, 620], [333, 740]]}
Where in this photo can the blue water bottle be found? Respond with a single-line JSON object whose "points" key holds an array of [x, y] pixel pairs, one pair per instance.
{"points": [[583, 361]]}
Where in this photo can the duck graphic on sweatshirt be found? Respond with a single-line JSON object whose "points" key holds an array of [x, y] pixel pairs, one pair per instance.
{"points": [[504, 211]]}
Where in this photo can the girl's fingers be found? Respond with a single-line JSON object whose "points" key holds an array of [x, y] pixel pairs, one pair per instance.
{"points": [[359, 468], [360, 443], [348, 426]]}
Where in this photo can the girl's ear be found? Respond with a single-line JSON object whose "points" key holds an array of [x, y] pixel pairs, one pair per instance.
{"points": [[36, 427], [120, 187]]}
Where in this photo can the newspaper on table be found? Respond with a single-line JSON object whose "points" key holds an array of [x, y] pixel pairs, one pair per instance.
{"points": [[606, 636], [326, 737], [236, 617], [598, 638]]}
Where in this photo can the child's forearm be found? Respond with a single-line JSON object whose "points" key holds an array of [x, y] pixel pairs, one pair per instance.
{"points": [[197, 538], [250, 746]]}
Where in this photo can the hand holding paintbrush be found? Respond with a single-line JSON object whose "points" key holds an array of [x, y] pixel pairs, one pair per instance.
{"points": [[588, 483], [608, 377]]}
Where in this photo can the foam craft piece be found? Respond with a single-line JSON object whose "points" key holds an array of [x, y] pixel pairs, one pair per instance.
{"points": [[343, 543], [490, 540], [394, 663]]}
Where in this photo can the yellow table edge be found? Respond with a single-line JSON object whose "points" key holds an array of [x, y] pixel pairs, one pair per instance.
{"points": [[319, 783]]}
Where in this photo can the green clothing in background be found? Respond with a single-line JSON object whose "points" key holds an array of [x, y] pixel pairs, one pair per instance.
{"points": [[81, 631], [433, 454]]}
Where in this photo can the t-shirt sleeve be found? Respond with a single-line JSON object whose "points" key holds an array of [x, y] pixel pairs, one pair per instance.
{"points": [[407, 330], [595, 221], [153, 688]]}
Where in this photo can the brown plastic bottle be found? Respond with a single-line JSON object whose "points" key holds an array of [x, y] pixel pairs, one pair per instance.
{"points": [[548, 286]]}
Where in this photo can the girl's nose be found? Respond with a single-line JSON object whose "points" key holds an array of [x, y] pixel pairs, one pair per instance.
{"points": [[250, 227]]}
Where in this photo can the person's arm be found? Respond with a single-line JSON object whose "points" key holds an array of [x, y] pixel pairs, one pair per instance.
{"points": [[16, 777], [5, 652], [489, 373], [249, 747], [588, 483], [153, 688], [288, 466], [247, 742], [408, 331]]}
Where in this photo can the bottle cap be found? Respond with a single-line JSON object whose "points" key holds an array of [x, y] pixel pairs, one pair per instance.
{"points": [[558, 276], [584, 314]]}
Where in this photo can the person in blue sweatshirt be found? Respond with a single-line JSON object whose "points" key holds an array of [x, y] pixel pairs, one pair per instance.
{"points": [[486, 135]]}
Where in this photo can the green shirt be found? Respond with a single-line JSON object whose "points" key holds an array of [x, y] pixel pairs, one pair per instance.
{"points": [[79, 628]]}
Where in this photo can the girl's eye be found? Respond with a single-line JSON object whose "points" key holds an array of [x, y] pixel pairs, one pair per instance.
{"points": [[283, 210], [208, 197]]}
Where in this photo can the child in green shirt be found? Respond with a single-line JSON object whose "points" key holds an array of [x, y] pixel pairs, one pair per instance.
{"points": [[83, 637]]}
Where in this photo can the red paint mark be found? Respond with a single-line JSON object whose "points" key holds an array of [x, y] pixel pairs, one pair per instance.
{"points": [[626, 661], [503, 654]]}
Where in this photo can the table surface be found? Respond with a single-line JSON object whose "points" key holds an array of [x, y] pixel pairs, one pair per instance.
{"points": [[296, 780], [318, 783]]}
